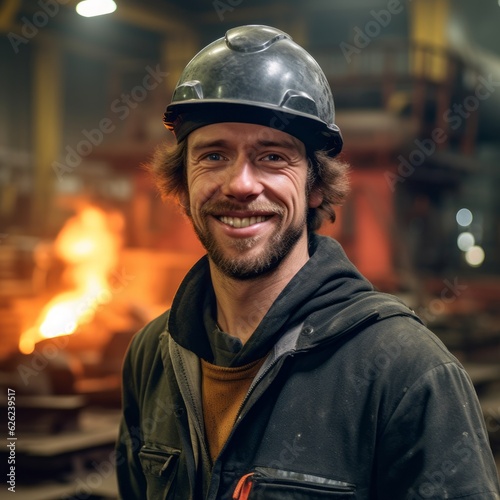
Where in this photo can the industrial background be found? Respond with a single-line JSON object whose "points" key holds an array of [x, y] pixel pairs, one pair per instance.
{"points": [[89, 252]]}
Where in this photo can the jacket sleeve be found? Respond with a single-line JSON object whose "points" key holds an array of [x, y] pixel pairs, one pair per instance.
{"points": [[131, 480], [435, 444]]}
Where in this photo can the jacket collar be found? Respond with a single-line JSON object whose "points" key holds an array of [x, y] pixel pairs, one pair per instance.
{"points": [[328, 295]]}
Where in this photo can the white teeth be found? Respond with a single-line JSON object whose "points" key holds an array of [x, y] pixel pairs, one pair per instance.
{"points": [[242, 222]]}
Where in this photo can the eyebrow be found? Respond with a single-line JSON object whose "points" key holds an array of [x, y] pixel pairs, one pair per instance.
{"points": [[222, 143], [201, 145], [285, 143]]}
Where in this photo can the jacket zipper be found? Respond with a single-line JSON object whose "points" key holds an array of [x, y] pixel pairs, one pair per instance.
{"points": [[254, 384], [197, 415], [245, 483], [364, 320]]}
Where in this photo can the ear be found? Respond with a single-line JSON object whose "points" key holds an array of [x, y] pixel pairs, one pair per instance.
{"points": [[315, 198]]}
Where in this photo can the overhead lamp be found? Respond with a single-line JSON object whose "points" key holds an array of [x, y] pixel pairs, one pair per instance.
{"points": [[92, 8]]}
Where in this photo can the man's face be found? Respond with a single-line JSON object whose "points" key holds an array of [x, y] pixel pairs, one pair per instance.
{"points": [[247, 196]]}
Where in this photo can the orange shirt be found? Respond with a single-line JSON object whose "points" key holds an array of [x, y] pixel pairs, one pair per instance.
{"points": [[223, 390]]}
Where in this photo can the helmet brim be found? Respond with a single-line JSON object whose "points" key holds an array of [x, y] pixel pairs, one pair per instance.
{"points": [[182, 118]]}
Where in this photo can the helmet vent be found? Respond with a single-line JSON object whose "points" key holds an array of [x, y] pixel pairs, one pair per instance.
{"points": [[188, 90], [299, 101], [253, 38]]}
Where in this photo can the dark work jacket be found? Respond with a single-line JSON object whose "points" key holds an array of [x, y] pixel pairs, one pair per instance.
{"points": [[356, 400]]}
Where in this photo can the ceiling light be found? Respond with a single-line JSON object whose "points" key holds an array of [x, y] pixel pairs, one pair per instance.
{"points": [[91, 8]]}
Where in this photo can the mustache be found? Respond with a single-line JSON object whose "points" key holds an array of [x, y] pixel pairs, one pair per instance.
{"points": [[217, 207]]}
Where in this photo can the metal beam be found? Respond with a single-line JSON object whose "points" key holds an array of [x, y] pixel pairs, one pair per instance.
{"points": [[169, 22], [241, 14], [47, 126]]}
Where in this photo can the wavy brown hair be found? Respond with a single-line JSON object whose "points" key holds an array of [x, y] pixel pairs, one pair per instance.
{"points": [[328, 175]]}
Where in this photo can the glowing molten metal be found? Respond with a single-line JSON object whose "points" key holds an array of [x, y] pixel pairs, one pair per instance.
{"points": [[88, 244]]}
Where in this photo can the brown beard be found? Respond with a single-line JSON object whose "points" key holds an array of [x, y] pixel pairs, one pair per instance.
{"points": [[241, 268]]}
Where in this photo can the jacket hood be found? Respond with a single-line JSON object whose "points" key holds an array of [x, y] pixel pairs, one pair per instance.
{"points": [[328, 295]]}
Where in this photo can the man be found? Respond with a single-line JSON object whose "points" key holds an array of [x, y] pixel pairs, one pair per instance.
{"points": [[278, 371]]}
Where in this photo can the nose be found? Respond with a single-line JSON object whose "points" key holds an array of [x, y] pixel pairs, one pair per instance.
{"points": [[242, 180]]}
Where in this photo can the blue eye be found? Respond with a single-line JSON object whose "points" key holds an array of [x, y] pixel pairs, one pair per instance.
{"points": [[214, 157], [272, 157]]}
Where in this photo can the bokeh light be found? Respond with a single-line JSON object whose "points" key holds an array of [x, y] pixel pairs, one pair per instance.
{"points": [[464, 217], [465, 241], [475, 256]]}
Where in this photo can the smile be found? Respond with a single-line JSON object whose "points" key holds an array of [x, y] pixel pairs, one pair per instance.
{"points": [[242, 222]]}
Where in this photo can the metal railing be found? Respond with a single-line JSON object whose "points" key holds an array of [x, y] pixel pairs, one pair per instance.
{"points": [[414, 80]]}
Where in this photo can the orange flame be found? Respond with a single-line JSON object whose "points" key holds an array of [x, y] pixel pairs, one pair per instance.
{"points": [[89, 245]]}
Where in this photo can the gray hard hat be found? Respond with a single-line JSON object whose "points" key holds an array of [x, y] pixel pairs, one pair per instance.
{"points": [[256, 74]]}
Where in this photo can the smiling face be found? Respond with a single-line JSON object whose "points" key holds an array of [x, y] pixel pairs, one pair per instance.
{"points": [[247, 197]]}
